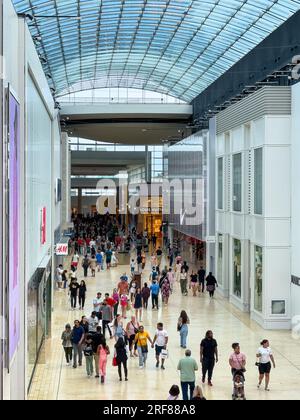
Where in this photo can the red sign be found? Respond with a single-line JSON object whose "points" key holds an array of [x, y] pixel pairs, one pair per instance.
{"points": [[43, 225]]}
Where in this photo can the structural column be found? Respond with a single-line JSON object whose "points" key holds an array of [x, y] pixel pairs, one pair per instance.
{"points": [[79, 205]]}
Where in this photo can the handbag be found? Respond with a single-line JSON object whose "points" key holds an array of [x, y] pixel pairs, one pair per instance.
{"points": [[114, 362]]}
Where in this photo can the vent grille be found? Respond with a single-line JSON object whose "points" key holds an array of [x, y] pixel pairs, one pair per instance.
{"points": [[275, 100]]}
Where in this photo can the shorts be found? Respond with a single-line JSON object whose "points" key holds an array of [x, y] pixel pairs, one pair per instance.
{"points": [[158, 350], [265, 368]]}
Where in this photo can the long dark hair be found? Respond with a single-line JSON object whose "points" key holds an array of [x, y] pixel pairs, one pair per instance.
{"points": [[120, 343], [184, 317]]}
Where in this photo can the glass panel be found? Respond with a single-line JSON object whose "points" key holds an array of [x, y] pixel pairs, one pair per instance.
{"points": [[175, 47], [258, 181], [237, 182], [237, 268], [220, 184], [220, 259], [258, 287]]}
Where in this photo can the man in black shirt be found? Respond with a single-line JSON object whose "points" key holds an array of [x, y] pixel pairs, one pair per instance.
{"points": [[201, 278], [74, 286], [186, 267], [208, 356], [98, 339]]}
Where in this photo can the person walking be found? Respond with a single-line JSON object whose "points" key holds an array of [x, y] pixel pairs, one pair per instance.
{"points": [[201, 279], [97, 302], [183, 282], [159, 254], [208, 356], [187, 367], [165, 291], [108, 255], [116, 298], [67, 343], [124, 304], [183, 329], [64, 278], [93, 323], [122, 358], [78, 336], [88, 353], [106, 312], [119, 329], [132, 290], [160, 341], [103, 352], [85, 266], [82, 294], [75, 261], [93, 265], [98, 339], [123, 287], [194, 283], [211, 284], [132, 329], [59, 273], [178, 268], [154, 289], [99, 260], [73, 291], [237, 360], [141, 339], [145, 295], [265, 356], [171, 278], [138, 304]]}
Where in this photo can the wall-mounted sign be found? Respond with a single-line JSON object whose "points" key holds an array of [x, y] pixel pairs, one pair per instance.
{"points": [[62, 249], [43, 225]]}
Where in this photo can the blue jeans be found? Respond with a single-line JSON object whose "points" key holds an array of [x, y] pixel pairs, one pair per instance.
{"points": [[142, 356], [77, 352], [183, 335], [185, 388]]}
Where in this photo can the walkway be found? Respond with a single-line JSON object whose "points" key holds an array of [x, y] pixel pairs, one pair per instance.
{"points": [[55, 381]]}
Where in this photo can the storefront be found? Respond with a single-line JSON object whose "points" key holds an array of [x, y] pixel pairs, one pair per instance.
{"points": [[39, 308]]}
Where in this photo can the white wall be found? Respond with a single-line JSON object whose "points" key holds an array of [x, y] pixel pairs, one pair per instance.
{"points": [[14, 382], [296, 197], [39, 130], [271, 230]]}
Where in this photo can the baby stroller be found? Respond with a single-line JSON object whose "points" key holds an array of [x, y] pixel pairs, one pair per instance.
{"points": [[239, 386]]}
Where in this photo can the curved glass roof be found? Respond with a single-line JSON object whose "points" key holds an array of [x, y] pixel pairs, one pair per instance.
{"points": [[177, 47]]}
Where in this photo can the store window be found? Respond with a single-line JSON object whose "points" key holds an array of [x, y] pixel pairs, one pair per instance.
{"points": [[258, 181], [220, 259], [258, 288], [237, 182], [220, 183], [237, 268]]}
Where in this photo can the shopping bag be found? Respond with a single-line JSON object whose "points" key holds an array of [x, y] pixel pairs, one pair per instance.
{"points": [[114, 362], [164, 354]]}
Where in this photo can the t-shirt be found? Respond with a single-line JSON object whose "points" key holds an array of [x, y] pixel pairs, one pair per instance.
{"points": [[93, 324], [97, 303], [237, 360], [76, 258], [59, 272], [187, 368], [74, 286], [161, 338], [142, 338], [209, 347], [106, 313], [265, 354], [154, 289], [201, 274], [194, 278], [99, 258], [123, 287], [108, 255]]}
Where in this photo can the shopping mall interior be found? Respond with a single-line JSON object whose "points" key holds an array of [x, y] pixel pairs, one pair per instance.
{"points": [[150, 141]]}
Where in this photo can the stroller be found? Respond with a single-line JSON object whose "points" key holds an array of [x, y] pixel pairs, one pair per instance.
{"points": [[238, 386]]}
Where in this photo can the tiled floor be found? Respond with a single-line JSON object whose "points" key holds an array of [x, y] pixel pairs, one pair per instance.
{"points": [[54, 380]]}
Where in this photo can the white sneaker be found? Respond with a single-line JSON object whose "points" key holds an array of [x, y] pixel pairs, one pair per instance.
{"points": [[141, 367], [68, 364]]}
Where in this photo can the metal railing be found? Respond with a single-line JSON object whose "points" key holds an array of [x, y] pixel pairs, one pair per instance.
{"points": [[76, 101]]}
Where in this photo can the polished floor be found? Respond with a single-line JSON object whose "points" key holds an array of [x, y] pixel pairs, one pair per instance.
{"points": [[53, 380]]}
